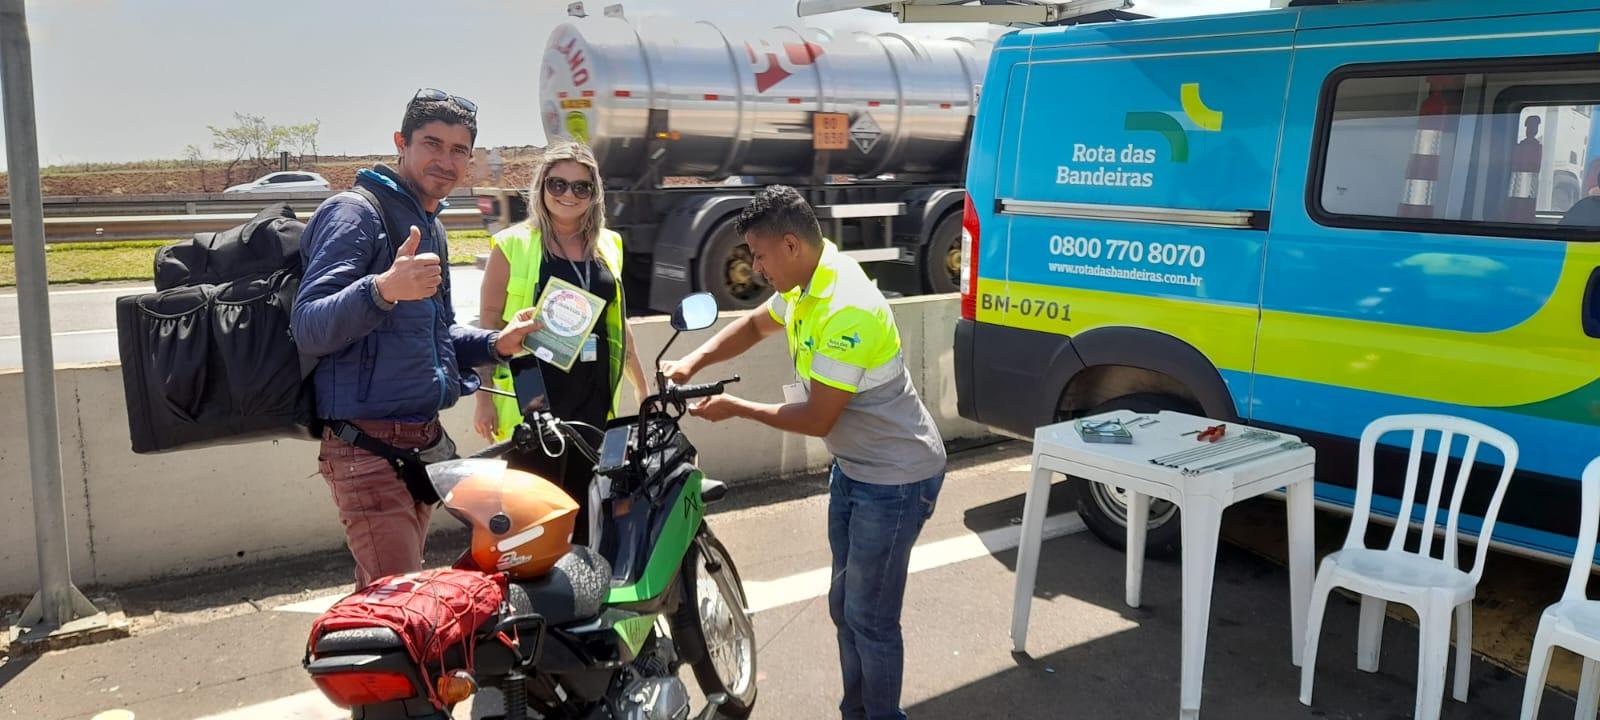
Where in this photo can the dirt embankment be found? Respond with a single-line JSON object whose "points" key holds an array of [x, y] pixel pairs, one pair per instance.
{"points": [[173, 177]]}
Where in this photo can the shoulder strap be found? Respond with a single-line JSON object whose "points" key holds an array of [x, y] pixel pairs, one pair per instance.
{"points": [[395, 239], [406, 463]]}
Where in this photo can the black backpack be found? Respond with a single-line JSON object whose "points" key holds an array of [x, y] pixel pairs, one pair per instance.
{"points": [[208, 358]]}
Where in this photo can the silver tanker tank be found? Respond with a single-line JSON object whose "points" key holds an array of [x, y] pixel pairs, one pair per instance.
{"points": [[734, 105]]}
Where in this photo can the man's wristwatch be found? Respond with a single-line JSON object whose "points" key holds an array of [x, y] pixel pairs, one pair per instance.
{"points": [[377, 296], [494, 347]]}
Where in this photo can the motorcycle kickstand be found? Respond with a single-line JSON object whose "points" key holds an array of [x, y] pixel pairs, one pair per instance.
{"points": [[713, 701]]}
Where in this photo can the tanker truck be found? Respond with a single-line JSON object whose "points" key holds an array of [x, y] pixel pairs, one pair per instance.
{"points": [[688, 124]]}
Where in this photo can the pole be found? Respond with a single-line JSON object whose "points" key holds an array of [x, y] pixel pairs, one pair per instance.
{"points": [[58, 601]]}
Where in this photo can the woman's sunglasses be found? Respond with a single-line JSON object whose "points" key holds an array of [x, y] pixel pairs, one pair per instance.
{"points": [[582, 189]]}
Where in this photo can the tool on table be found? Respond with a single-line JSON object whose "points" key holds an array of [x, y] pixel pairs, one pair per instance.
{"points": [[1248, 457], [1182, 459], [1210, 434], [1103, 431]]}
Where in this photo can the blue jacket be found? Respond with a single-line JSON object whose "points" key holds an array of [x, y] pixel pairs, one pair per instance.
{"points": [[406, 362]]}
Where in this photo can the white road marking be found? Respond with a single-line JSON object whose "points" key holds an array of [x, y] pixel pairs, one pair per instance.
{"points": [[766, 595]]}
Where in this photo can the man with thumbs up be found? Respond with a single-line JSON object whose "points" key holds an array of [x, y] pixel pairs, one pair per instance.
{"points": [[374, 308]]}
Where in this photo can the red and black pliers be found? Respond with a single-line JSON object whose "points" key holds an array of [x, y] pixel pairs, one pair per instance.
{"points": [[1212, 434]]}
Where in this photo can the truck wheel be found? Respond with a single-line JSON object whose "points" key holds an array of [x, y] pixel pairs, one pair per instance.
{"points": [[727, 271], [1104, 509], [940, 261]]}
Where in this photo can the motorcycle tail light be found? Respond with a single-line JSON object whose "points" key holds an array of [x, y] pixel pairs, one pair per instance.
{"points": [[348, 689]]}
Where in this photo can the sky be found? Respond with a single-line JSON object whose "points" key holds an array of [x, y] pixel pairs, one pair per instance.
{"points": [[122, 80]]}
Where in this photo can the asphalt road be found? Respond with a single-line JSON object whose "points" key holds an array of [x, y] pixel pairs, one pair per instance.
{"points": [[83, 318], [228, 646]]}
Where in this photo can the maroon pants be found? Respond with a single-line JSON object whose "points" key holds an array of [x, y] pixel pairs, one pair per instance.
{"points": [[383, 526]]}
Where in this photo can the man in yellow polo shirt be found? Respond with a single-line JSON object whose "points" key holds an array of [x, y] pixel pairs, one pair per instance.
{"points": [[855, 394]]}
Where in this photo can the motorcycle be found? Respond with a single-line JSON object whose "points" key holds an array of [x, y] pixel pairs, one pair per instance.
{"points": [[603, 635]]}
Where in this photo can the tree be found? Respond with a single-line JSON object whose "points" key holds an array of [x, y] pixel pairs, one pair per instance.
{"points": [[302, 140], [239, 140], [251, 139], [196, 158], [255, 142]]}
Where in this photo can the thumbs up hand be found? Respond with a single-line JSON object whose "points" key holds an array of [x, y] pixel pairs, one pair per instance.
{"points": [[412, 276], [413, 241]]}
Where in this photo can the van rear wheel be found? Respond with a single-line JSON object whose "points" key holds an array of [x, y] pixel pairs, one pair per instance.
{"points": [[1104, 508]]}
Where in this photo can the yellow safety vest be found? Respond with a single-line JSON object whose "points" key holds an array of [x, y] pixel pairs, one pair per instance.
{"points": [[840, 329], [524, 251]]}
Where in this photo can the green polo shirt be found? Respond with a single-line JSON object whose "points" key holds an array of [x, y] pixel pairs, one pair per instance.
{"points": [[841, 333]]}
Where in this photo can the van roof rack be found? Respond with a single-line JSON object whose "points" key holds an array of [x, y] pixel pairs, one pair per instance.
{"points": [[999, 12]]}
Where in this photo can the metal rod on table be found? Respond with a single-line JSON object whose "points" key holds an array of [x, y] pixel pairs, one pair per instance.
{"points": [[1212, 449], [1251, 457], [1188, 456]]}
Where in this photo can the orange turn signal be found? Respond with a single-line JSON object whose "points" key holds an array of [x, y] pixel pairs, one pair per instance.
{"points": [[456, 687]]}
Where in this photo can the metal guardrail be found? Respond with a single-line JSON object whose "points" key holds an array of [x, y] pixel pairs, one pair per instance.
{"points": [[132, 217]]}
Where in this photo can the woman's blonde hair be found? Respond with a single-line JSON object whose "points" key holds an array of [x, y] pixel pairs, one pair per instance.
{"points": [[539, 216]]}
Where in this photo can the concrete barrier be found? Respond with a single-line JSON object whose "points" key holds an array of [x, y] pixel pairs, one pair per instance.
{"points": [[136, 517]]}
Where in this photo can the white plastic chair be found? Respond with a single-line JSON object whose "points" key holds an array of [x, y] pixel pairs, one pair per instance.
{"points": [[1435, 587], [1573, 623]]}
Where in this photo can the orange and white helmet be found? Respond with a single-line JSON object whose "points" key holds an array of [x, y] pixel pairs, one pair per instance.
{"points": [[521, 523]]}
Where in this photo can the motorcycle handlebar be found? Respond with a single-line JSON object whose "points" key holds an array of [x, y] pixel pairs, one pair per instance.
{"points": [[495, 450], [533, 429], [544, 424], [691, 392]]}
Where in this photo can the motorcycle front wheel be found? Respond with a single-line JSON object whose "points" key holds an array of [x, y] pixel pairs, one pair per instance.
{"points": [[712, 629]]}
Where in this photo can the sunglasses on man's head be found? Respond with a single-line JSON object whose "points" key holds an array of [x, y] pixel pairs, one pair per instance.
{"points": [[582, 189], [436, 95]]}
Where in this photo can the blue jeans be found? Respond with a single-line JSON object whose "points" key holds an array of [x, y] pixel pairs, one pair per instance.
{"points": [[871, 530]]}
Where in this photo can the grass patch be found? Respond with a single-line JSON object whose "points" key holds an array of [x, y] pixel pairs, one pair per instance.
{"points": [[467, 245], [133, 260]]}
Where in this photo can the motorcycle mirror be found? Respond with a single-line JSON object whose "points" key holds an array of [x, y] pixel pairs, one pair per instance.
{"points": [[695, 312]]}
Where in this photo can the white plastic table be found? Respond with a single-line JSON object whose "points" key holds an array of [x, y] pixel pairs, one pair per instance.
{"points": [[1201, 498]]}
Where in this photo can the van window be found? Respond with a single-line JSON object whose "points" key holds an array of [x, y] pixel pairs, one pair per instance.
{"points": [[1493, 152]]}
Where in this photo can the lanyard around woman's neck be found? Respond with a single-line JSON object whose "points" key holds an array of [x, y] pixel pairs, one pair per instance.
{"points": [[586, 275]]}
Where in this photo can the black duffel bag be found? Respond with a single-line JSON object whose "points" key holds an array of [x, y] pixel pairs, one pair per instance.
{"points": [[208, 358]]}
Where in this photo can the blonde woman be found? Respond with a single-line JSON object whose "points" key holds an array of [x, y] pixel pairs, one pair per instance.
{"points": [[565, 237]]}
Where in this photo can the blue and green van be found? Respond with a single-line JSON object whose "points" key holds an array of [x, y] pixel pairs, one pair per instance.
{"points": [[1302, 219]]}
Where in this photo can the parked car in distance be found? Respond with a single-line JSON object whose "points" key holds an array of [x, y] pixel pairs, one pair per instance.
{"points": [[289, 181]]}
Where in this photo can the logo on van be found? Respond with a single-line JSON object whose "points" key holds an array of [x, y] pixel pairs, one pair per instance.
{"points": [[1175, 126]]}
